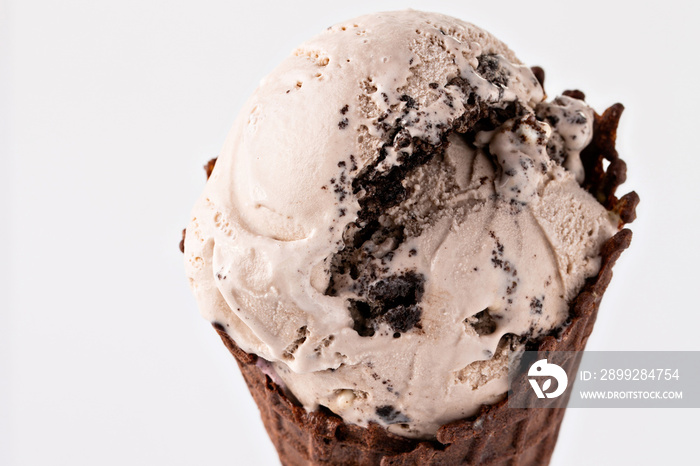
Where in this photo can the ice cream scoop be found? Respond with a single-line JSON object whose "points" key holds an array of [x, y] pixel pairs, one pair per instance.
{"points": [[395, 212]]}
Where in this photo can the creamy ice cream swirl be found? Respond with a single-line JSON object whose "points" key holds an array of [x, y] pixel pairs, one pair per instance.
{"points": [[394, 212]]}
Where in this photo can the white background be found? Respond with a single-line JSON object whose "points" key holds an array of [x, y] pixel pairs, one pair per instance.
{"points": [[109, 109]]}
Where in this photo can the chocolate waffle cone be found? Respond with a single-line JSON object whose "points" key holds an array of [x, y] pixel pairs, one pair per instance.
{"points": [[498, 434]]}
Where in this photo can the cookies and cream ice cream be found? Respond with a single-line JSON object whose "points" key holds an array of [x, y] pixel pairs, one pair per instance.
{"points": [[396, 210]]}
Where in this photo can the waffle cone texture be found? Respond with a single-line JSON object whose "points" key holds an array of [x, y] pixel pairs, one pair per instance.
{"points": [[497, 435]]}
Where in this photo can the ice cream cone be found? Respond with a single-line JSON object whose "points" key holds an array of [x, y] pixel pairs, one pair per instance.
{"points": [[372, 267]]}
